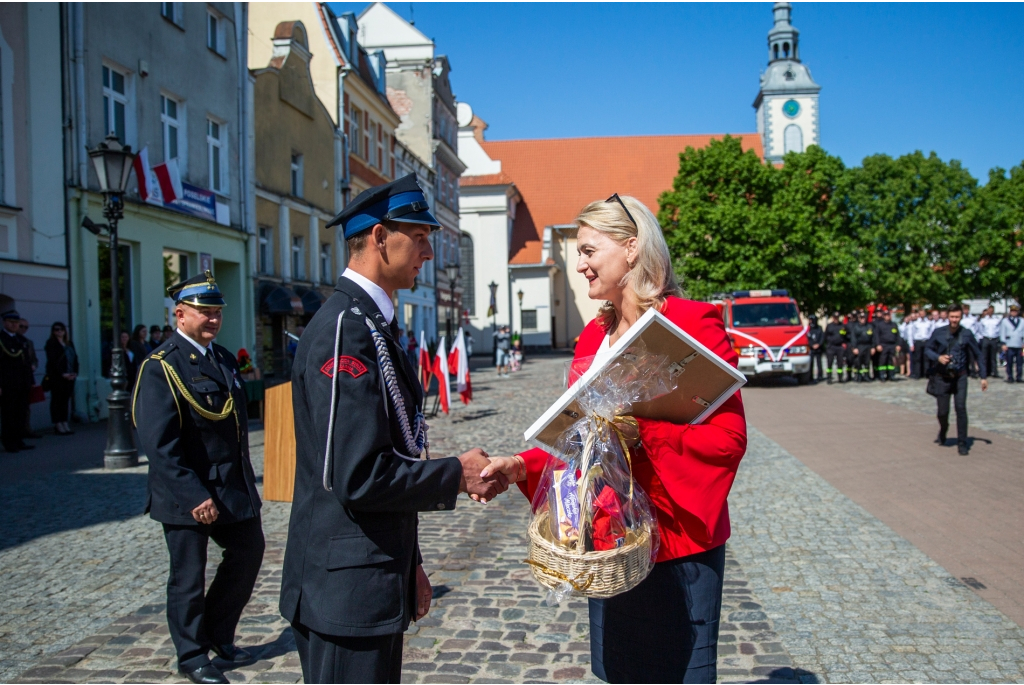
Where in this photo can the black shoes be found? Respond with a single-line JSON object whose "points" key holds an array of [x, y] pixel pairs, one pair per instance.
{"points": [[236, 656], [941, 440], [205, 674], [962, 449]]}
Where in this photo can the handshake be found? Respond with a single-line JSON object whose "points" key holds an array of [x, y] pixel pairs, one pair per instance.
{"points": [[485, 477]]}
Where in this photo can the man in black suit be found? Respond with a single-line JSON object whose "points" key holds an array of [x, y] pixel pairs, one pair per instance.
{"points": [[949, 350], [189, 407], [15, 381], [353, 578]]}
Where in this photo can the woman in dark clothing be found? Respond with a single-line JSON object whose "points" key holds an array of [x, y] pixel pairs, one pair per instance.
{"points": [[61, 370]]}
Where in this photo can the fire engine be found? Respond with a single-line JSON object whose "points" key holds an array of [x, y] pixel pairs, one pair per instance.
{"points": [[767, 333]]}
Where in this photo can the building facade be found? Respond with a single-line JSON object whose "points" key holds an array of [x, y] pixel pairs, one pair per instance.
{"points": [[131, 71], [417, 306], [298, 190], [787, 103], [33, 256]]}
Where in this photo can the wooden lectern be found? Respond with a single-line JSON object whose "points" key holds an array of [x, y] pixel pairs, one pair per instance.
{"points": [[278, 444]]}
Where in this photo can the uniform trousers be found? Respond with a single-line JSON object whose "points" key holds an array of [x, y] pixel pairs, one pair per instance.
{"points": [[199, 621], [13, 405], [816, 356], [1014, 355], [862, 362], [990, 356], [334, 659], [887, 361], [665, 630], [917, 359], [958, 393], [834, 361]]}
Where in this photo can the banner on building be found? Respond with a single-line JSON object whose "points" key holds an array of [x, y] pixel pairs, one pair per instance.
{"points": [[162, 185]]}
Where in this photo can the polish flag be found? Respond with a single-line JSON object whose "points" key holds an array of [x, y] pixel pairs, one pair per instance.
{"points": [[149, 187], [459, 361], [441, 371], [169, 179], [425, 370]]}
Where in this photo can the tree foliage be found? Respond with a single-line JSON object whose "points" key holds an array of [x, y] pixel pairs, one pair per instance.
{"points": [[909, 230]]}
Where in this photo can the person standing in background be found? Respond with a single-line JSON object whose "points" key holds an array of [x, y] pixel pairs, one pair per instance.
{"points": [[155, 335], [862, 335], [33, 362], [970, 322], [942, 319], [835, 347], [15, 381], [988, 336], [815, 337], [887, 345], [1011, 334], [903, 358], [504, 339], [920, 332], [61, 370]]}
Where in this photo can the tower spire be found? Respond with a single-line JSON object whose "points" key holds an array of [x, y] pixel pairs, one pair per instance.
{"points": [[783, 37]]}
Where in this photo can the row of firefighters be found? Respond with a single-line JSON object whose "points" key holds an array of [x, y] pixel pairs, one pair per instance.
{"points": [[864, 350]]}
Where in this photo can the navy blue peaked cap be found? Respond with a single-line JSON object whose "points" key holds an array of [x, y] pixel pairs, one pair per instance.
{"points": [[400, 200], [199, 291]]}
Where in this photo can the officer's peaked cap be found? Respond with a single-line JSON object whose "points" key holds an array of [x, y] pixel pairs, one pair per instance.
{"points": [[199, 291], [11, 314], [400, 200]]}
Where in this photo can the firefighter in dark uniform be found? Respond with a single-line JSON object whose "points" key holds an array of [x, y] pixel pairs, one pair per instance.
{"points": [[887, 344], [353, 578], [862, 335], [835, 347], [815, 337], [15, 382], [189, 408]]}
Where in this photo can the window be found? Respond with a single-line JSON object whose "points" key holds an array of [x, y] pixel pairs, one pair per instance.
{"points": [[529, 319], [380, 148], [217, 156], [215, 33], [767, 314], [298, 263], [371, 157], [115, 102], [172, 12], [793, 139], [355, 136], [171, 126], [325, 263], [468, 276], [297, 175], [265, 253]]}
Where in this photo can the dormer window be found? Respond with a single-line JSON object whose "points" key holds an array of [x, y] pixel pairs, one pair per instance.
{"points": [[789, 75], [776, 47], [785, 50]]}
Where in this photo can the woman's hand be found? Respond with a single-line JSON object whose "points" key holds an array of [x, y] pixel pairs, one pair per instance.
{"points": [[513, 468]]}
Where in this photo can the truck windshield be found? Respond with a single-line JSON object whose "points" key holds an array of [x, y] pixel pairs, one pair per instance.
{"points": [[767, 314]]}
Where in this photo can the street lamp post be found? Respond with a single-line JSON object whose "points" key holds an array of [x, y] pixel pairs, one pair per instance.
{"points": [[452, 272], [113, 163]]}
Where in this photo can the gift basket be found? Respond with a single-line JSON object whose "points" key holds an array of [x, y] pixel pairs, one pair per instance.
{"points": [[593, 531]]}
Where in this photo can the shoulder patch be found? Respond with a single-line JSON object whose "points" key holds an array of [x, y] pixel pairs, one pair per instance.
{"points": [[349, 365]]}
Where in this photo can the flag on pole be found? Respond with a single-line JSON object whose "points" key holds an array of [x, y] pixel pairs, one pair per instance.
{"points": [[169, 179], [459, 360], [441, 371], [425, 370], [149, 187]]}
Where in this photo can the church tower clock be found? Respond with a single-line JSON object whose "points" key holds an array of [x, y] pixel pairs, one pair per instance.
{"points": [[787, 104]]}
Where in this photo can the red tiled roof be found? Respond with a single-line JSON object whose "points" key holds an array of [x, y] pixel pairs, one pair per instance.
{"points": [[557, 178], [498, 179]]}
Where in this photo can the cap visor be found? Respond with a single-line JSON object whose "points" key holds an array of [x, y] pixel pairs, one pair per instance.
{"points": [[418, 218]]}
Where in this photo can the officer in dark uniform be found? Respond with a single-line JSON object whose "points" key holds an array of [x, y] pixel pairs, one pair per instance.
{"points": [[862, 336], [887, 344], [353, 578], [15, 382], [815, 336], [189, 408], [835, 346]]}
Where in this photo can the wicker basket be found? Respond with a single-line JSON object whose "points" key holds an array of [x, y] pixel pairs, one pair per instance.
{"points": [[592, 574]]}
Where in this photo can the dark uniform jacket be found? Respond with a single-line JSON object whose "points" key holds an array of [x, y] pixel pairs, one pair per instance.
{"points": [[887, 333], [16, 354], [814, 336], [958, 347], [861, 335], [836, 335], [349, 568], [193, 455]]}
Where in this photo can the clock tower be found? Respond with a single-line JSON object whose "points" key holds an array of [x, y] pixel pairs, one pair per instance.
{"points": [[787, 104]]}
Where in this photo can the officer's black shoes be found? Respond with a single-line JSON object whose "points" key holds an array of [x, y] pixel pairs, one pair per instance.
{"points": [[233, 655], [829, 381], [962, 449], [205, 674], [941, 440]]}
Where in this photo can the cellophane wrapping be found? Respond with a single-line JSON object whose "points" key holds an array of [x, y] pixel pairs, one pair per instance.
{"points": [[587, 493]]}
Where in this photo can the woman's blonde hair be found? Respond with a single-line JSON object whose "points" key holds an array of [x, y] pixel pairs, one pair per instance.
{"points": [[650, 275]]}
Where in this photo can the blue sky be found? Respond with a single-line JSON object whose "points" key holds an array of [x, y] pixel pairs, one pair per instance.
{"points": [[895, 77]]}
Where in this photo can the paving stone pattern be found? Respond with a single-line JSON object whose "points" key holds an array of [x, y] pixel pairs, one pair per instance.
{"points": [[849, 599], [999, 409], [488, 623]]}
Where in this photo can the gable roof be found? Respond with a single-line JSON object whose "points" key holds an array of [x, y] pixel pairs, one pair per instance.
{"points": [[557, 178]]}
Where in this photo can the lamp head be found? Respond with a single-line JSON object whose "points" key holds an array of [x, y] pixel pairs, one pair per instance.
{"points": [[113, 164], [452, 271]]}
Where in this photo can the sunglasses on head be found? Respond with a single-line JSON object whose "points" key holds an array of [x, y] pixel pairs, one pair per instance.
{"points": [[615, 198]]}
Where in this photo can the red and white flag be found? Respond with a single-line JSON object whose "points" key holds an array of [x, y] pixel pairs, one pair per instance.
{"points": [[459, 361], [441, 371], [169, 179], [149, 187], [425, 368]]}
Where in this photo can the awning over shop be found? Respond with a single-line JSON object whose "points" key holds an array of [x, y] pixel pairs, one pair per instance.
{"points": [[311, 299], [277, 299]]}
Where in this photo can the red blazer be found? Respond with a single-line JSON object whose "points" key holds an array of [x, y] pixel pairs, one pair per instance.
{"points": [[686, 471]]}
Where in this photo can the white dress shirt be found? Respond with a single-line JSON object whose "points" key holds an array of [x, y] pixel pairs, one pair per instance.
{"points": [[376, 293], [940, 323], [988, 326], [970, 322], [920, 329], [202, 350]]}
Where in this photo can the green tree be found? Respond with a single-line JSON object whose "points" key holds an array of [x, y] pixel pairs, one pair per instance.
{"points": [[997, 254], [910, 218], [717, 220]]}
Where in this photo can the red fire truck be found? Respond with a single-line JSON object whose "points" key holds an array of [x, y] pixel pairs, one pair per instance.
{"points": [[767, 333]]}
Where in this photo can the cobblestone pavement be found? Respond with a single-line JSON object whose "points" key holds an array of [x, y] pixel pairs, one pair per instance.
{"points": [[849, 599], [488, 623], [999, 409]]}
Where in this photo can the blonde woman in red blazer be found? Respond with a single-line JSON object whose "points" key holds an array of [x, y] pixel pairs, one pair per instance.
{"points": [[665, 629]]}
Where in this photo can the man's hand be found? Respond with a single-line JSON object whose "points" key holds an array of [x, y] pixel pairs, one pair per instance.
{"points": [[206, 512], [879, 348], [424, 593], [856, 351], [944, 359], [984, 384], [480, 489], [1004, 348]]}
